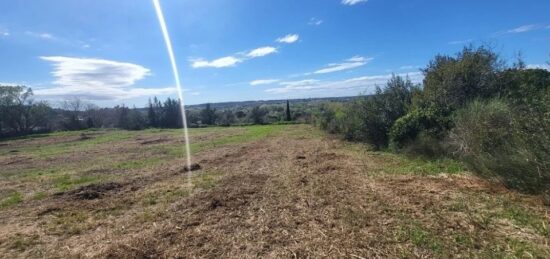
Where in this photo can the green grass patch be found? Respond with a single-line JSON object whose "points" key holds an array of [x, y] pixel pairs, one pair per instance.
{"points": [[39, 195], [67, 182], [248, 134], [420, 237], [524, 217], [139, 163], [401, 165], [12, 199], [206, 180]]}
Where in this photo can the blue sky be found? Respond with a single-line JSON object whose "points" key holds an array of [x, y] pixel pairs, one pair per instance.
{"points": [[112, 52]]}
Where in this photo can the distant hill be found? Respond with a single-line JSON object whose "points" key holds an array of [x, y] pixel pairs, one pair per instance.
{"points": [[246, 104]]}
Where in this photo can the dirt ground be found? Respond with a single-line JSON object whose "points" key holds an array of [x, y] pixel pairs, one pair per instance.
{"points": [[292, 192]]}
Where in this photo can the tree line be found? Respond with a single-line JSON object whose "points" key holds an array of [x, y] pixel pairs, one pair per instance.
{"points": [[20, 114], [470, 106]]}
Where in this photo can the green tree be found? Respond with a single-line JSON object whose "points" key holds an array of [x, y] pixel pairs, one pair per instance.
{"points": [[208, 115], [257, 115], [288, 117], [19, 114]]}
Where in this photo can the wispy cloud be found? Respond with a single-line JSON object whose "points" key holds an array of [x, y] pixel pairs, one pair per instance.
{"points": [[234, 59], [264, 82], [260, 52], [353, 2], [358, 84], [97, 79], [231, 61], [460, 42], [228, 61], [289, 38], [524, 28], [314, 21], [350, 63]]}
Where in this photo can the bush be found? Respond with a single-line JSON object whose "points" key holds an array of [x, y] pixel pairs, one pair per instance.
{"points": [[492, 139], [369, 118], [407, 128]]}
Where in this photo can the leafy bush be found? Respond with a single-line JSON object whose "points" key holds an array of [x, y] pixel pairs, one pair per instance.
{"points": [[495, 142], [407, 128], [369, 118], [451, 82]]}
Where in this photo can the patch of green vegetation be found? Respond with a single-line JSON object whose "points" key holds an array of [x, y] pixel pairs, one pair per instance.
{"points": [[10, 200], [67, 182], [95, 138], [516, 248], [249, 133], [39, 195], [524, 217], [141, 163], [206, 180], [420, 237], [399, 164]]}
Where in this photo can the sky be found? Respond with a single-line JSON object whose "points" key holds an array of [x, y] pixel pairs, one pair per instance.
{"points": [[112, 52]]}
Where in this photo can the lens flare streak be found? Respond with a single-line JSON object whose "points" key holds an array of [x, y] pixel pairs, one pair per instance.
{"points": [[168, 43]]}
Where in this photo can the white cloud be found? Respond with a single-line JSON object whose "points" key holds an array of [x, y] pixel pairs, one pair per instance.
{"points": [[263, 82], [260, 52], [97, 79], [289, 38], [314, 21], [353, 2], [539, 66], [357, 84], [234, 59], [524, 28], [217, 63], [350, 63]]}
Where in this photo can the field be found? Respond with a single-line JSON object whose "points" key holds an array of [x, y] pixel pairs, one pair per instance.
{"points": [[262, 191]]}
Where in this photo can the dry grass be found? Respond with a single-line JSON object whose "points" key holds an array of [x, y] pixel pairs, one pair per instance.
{"points": [[276, 191]]}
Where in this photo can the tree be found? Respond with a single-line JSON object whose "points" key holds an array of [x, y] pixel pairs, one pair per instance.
{"points": [[226, 118], [451, 82], [380, 111], [19, 114], [171, 114], [152, 116], [208, 115], [288, 118], [72, 108], [257, 115]]}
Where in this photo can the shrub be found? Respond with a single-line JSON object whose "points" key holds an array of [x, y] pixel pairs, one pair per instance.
{"points": [[495, 142], [427, 120]]}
